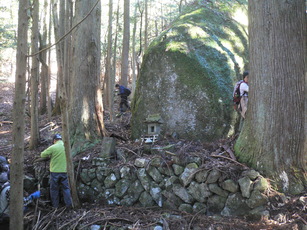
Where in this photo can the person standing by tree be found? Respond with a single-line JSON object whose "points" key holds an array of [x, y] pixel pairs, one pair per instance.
{"points": [[244, 94], [58, 171], [124, 93]]}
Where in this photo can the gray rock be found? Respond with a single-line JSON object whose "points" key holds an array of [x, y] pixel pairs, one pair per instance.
{"points": [[155, 174], [86, 192], [100, 175], [156, 162], [201, 176], [100, 162], [235, 206], [108, 148], [230, 185], [193, 159], [199, 192], [182, 193], [156, 193], [199, 208], [141, 162], [257, 199], [97, 186], [121, 187], [84, 176], [213, 176], [108, 193], [261, 184], [245, 186], [135, 189], [188, 174], [168, 171], [177, 169], [121, 155], [259, 213], [91, 173], [95, 227], [217, 190], [128, 200], [110, 181], [199, 73], [215, 204], [146, 200], [252, 174], [170, 181], [171, 200], [158, 227], [144, 178], [125, 172], [186, 208]]}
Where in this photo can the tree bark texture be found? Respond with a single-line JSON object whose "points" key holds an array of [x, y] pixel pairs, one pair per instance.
{"points": [[16, 180], [43, 60], [34, 77], [58, 33], [273, 136], [84, 118], [109, 87], [126, 41]]}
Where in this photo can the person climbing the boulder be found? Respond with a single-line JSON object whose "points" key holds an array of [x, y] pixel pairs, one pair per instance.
{"points": [[244, 94], [123, 93]]}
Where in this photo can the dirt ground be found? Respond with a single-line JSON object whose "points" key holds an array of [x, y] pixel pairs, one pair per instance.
{"points": [[286, 212]]}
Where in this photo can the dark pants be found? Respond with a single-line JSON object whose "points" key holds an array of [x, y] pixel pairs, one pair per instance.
{"points": [[123, 102], [56, 180]]}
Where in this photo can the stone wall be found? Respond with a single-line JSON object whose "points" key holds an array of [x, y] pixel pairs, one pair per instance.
{"points": [[191, 185]]}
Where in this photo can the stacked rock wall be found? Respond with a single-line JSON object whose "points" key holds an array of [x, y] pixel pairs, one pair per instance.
{"points": [[190, 186]]}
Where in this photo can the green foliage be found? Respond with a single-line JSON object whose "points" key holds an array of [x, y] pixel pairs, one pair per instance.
{"points": [[8, 36]]}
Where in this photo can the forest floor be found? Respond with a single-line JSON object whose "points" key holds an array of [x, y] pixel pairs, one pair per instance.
{"points": [[286, 212]]}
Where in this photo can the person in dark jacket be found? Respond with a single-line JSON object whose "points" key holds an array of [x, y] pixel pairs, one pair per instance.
{"points": [[123, 93]]}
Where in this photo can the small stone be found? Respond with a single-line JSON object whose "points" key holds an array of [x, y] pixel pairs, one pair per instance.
{"points": [[141, 162], [261, 184], [245, 186], [213, 176], [230, 186]]}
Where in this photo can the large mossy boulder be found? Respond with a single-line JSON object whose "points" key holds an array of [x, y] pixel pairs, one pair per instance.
{"points": [[187, 76]]}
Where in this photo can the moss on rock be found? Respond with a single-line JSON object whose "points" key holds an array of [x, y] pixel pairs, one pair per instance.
{"points": [[187, 76]]}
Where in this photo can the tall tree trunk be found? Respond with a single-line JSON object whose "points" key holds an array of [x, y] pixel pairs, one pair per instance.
{"points": [[134, 56], [126, 41], [43, 60], [16, 180], [34, 77], [64, 108], [141, 10], [146, 26], [85, 119], [58, 33], [273, 136], [109, 88], [115, 42], [49, 100]]}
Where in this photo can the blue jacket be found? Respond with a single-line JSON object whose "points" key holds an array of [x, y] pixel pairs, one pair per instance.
{"points": [[123, 91]]}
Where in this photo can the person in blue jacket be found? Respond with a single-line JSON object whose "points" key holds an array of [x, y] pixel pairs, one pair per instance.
{"points": [[123, 93]]}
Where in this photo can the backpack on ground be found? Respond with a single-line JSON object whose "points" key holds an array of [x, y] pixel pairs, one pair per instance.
{"points": [[236, 94]]}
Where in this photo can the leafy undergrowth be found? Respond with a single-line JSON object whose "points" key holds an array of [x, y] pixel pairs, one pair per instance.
{"points": [[286, 212]]}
